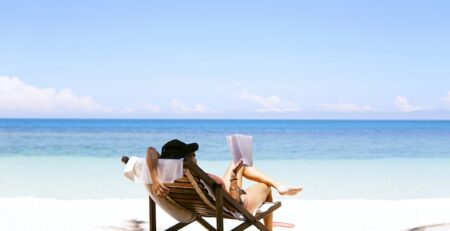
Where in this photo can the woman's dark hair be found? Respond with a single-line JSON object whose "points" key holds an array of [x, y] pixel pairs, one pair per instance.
{"points": [[125, 159]]}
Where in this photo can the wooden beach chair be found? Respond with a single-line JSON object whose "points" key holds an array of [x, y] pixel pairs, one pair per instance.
{"points": [[199, 193]]}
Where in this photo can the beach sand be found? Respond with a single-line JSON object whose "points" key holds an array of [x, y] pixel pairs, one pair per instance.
{"points": [[310, 215]]}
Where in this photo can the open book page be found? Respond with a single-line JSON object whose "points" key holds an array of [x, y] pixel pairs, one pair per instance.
{"points": [[241, 148]]}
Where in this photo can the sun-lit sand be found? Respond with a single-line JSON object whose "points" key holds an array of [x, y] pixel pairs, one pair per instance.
{"points": [[116, 214]]}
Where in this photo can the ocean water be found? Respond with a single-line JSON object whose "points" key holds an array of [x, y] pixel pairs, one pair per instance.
{"points": [[72, 159]]}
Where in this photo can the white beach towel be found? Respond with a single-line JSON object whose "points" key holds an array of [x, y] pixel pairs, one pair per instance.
{"points": [[169, 170], [241, 148]]}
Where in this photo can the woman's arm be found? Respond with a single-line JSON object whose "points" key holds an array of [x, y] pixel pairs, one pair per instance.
{"points": [[235, 183], [152, 163]]}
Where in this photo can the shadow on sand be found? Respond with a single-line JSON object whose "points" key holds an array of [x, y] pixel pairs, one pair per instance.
{"points": [[436, 227], [133, 225]]}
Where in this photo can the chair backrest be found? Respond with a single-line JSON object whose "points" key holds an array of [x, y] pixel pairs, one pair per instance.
{"points": [[196, 192]]}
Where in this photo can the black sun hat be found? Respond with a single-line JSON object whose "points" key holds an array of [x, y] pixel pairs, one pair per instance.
{"points": [[176, 149]]}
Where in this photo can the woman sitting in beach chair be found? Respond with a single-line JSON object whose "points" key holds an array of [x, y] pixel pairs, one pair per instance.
{"points": [[251, 198]]}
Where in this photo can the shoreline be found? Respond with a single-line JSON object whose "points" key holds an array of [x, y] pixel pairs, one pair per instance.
{"points": [[97, 178], [28, 213]]}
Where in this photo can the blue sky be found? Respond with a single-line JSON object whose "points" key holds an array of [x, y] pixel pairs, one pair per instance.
{"points": [[231, 59]]}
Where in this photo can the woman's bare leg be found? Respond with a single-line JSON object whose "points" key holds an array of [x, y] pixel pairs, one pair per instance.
{"points": [[268, 220], [257, 194], [250, 173], [254, 174]]}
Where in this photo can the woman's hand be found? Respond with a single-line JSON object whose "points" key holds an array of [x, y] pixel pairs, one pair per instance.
{"points": [[160, 189], [152, 163]]}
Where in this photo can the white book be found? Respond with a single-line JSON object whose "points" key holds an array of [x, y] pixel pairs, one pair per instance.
{"points": [[241, 148]]}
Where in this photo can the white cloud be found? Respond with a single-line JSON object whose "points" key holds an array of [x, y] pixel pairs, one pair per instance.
{"points": [[402, 104], [346, 107], [19, 97], [179, 107], [271, 103], [141, 109]]}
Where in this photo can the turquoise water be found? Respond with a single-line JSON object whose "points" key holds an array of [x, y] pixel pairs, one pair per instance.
{"points": [[73, 159]]}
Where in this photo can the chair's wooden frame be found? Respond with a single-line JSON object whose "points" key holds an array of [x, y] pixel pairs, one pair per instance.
{"points": [[189, 193]]}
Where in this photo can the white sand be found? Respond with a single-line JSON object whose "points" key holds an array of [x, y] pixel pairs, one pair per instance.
{"points": [[309, 215]]}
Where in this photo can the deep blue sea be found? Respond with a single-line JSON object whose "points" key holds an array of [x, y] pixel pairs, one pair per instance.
{"points": [[79, 158]]}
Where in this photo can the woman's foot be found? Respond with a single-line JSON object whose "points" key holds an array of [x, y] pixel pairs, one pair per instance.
{"points": [[289, 190]]}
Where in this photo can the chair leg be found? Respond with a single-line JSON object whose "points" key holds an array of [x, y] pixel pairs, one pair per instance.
{"points": [[199, 219], [219, 209], [260, 226], [242, 226], [152, 214], [205, 224], [247, 224], [177, 226]]}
